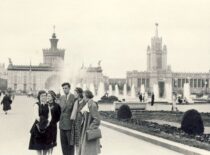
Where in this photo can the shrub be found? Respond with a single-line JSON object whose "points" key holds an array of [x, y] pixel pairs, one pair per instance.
{"points": [[124, 112], [113, 98], [108, 99], [192, 122]]}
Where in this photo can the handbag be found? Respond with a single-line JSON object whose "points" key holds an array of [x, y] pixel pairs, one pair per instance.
{"points": [[93, 134]]}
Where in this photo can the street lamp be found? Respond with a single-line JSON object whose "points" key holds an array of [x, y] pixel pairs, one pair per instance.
{"points": [[206, 85], [175, 82]]}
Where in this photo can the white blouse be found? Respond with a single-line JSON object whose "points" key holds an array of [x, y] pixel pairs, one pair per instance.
{"points": [[85, 108], [36, 112]]}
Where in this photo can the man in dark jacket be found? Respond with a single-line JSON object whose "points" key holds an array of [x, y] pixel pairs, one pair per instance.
{"points": [[66, 131], [140, 97]]}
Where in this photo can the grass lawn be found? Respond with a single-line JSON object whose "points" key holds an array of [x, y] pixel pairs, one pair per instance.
{"points": [[167, 116]]}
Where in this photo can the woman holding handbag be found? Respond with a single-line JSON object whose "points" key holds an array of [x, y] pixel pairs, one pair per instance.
{"points": [[90, 133]]}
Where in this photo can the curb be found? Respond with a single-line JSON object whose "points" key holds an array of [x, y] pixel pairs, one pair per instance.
{"points": [[174, 146]]}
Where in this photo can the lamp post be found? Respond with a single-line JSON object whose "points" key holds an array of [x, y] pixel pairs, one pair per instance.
{"points": [[206, 86], [175, 83]]}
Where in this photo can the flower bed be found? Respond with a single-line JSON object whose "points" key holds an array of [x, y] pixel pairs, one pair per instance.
{"points": [[165, 131]]}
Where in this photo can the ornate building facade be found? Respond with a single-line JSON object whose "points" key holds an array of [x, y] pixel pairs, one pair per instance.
{"points": [[3, 77], [91, 75], [27, 78], [159, 74]]}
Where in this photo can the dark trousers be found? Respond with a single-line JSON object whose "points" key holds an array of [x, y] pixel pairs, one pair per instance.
{"points": [[67, 149]]}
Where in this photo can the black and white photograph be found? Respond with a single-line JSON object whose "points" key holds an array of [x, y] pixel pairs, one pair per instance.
{"points": [[105, 77]]}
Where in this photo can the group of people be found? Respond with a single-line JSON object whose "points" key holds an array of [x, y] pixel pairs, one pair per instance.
{"points": [[78, 119], [144, 98]]}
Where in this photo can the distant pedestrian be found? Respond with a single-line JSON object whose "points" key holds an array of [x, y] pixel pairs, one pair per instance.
{"points": [[140, 97], [7, 101], [179, 100], [152, 99], [174, 100]]}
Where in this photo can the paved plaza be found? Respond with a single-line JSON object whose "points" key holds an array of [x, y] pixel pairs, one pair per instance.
{"points": [[15, 126]]}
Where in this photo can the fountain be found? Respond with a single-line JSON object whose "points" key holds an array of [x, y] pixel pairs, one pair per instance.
{"points": [[84, 87], [79, 85], [168, 92], [142, 90], [125, 91], [72, 87], [155, 91], [101, 90], [92, 89], [133, 92], [117, 91], [110, 90], [186, 93]]}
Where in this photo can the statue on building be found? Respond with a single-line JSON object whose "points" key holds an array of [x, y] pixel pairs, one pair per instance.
{"points": [[99, 63], [10, 61]]}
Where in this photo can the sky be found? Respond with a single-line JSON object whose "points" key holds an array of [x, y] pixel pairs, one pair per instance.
{"points": [[114, 31]]}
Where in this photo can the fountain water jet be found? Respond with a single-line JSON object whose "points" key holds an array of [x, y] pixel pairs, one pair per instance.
{"points": [[169, 92], [84, 87], [79, 85], [110, 90], [101, 90], [92, 88], [125, 91], [187, 93], [117, 91], [155, 91], [142, 89], [133, 92]]}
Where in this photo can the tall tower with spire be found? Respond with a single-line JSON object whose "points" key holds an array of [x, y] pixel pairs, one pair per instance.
{"points": [[53, 56], [156, 53]]}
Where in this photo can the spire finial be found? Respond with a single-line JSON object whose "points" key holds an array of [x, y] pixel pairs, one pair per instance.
{"points": [[53, 28], [156, 31], [53, 35]]}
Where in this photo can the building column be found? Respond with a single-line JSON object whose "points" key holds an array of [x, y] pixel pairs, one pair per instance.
{"points": [[145, 83], [197, 83]]}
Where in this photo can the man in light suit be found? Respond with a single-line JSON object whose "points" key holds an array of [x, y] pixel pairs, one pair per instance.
{"points": [[65, 124]]}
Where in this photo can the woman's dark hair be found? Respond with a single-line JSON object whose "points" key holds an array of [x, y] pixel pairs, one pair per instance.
{"points": [[52, 93], [58, 95], [66, 84], [40, 93], [79, 91], [88, 94]]}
